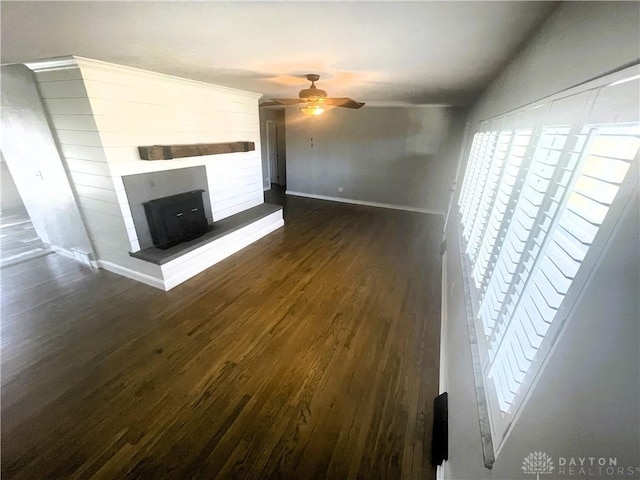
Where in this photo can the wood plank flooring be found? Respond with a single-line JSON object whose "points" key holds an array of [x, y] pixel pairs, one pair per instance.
{"points": [[312, 354], [19, 241]]}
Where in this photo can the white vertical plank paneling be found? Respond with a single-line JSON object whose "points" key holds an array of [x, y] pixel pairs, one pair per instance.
{"points": [[102, 112], [134, 108]]}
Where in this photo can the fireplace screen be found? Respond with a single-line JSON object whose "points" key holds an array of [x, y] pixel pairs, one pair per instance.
{"points": [[176, 219]]}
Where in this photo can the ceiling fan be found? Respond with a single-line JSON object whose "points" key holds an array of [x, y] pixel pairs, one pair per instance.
{"points": [[315, 99]]}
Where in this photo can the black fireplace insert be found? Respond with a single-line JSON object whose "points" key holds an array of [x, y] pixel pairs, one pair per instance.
{"points": [[176, 219]]}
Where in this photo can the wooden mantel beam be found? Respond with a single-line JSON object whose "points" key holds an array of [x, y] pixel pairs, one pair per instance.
{"points": [[168, 152]]}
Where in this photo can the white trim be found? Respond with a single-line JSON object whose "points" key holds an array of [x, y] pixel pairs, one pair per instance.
{"points": [[456, 180], [624, 80], [21, 222], [56, 63], [77, 255], [595, 83], [24, 256], [398, 104], [73, 61], [267, 124], [486, 438], [132, 274], [375, 104], [364, 202], [443, 380]]}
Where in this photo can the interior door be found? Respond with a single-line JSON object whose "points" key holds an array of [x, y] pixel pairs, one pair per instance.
{"points": [[272, 142]]}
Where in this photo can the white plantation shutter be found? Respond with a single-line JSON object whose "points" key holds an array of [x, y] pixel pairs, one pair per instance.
{"points": [[471, 166], [519, 245], [494, 171], [597, 181], [499, 209], [535, 208], [476, 183]]}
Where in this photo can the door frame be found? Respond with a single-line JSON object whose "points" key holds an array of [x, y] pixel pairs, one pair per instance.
{"points": [[269, 160]]}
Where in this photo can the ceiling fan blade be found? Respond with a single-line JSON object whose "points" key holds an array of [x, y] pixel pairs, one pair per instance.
{"points": [[343, 102], [288, 101], [269, 104]]}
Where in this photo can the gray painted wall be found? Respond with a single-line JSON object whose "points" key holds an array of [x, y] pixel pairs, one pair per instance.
{"points": [[580, 41], [587, 400], [393, 155], [277, 116], [10, 198], [33, 158]]}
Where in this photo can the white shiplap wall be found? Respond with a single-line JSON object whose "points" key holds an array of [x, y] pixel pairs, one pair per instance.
{"points": [[134, 107], [102, 112]]}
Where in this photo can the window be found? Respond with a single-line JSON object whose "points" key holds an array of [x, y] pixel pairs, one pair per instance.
{"points": [[542, 194]]}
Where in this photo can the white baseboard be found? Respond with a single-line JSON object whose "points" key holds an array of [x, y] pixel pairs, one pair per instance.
{"points": [[132, 274], [364, 202], [77, 255], [21, 257], [63, 251]]}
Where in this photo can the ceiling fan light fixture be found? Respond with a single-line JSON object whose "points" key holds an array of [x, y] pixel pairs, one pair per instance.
{"points": [[312, 110], [315, 101]]}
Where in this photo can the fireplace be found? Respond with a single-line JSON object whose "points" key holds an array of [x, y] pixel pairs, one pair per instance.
{"points": [[176, 218]]}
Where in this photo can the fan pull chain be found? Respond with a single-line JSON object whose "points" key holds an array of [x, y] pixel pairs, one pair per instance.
{"points": [[311, 136]]}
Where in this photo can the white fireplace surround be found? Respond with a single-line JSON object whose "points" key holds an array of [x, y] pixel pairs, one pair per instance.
{"points": [[100, 113]]}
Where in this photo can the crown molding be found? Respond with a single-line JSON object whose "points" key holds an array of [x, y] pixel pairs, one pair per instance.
{"points": [[382, 104], [94, 64], [74, 61], [374, 105], [56, 63]]}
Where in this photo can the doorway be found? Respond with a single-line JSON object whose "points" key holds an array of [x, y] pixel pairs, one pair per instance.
{"points": [[36, 165], [272, 152], [19, 240]]}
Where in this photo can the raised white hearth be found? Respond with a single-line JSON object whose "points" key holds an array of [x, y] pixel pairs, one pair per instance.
{"points": [[226, 237]]}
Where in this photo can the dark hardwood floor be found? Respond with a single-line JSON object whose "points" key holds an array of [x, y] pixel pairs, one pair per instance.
{"points": [[311, 354]]}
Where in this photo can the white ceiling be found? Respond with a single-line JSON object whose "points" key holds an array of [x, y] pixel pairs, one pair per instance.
{"points": [[376, 52]]}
